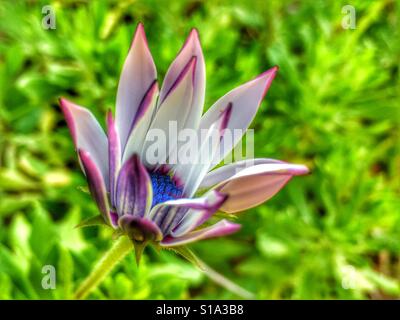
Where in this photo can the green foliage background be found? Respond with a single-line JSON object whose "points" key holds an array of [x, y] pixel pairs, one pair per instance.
{"points": [[333, 106]]}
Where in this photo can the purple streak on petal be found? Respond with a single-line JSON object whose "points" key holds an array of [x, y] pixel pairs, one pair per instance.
{"points": [[225, 120], [190, 66], [96, 184], [114, 155], [163, 169], [245, 101], [195, 218], [165, 214], [133, 193], [178, 181], [145, 104], [114, 219], [193, 173], [221, 228], [168, 214], [140, 229], [191, 47]]}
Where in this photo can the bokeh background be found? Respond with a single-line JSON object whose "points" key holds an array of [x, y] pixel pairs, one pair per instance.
{"points": [[333, 106]]}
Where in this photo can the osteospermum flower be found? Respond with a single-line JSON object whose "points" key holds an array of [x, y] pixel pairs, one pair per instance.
{"points": [[155, 202]]}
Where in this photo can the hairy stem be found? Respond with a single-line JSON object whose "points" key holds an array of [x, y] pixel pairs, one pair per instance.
{"points": [[225, 282], [112, 257]]}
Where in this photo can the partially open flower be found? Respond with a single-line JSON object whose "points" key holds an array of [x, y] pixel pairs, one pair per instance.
{"points": [[151, 199]]}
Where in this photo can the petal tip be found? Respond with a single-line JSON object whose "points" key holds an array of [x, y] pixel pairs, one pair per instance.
{"points": [[232, 227], [140, 35], [268, 76], [301, 170], [65, 108], [110, 118], [84, 155], [194, 33]]}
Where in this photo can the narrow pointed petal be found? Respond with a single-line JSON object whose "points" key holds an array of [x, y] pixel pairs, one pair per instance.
{"points": [[193, 173], [97, 220], [87, 134], [133, 192], [141, 231], [227, 171], [221, 228], [137, 76], [194, 218], [139, 249], [245, 101], [96, 183], [141, 123], [168, 215], [114, 155], [191, 48], [255, 185], [175, 109]]}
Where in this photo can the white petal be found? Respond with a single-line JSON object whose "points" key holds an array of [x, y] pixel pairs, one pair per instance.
{"points": [[193, 173], [225, 172], [221, 228], [191, 48], [136, 138], [254, 185], [137, 76], [87, 134], [246, 100], [174, 110]]}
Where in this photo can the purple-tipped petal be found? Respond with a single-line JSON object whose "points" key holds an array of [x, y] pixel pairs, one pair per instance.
{"points": [[137, 76], [169, 214], [175, 109], [221, 228], [96, 183], [255, 185], [245, 102], [140, 229], [133, 192], [87, 134], [191, 48], [114, 155], [225, 172], [141, 122], [194, 218]]}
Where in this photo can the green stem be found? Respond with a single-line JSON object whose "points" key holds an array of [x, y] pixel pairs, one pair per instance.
{"points": [[225, 282], [117, 252]]}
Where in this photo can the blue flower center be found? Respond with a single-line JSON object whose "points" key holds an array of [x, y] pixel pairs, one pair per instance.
{"points": [[164, 188]]}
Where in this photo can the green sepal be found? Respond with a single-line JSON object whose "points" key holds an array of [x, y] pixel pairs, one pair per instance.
{"points": [[116, 234], [92, 221], [156, 247], [84, 189], [225, 215], [139, 248], [189, 255]]}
